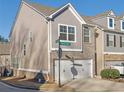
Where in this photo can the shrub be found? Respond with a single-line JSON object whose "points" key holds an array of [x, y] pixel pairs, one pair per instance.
{"points": [[105, 73], [110, 73], [114, 73]]}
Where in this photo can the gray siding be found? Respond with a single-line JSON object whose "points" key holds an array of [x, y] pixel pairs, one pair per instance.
{"points": [[36, 57], [113, 49], [67, 18]]}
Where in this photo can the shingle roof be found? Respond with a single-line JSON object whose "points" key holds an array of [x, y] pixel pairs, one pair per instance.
{"points": [[43, 9], [87, 19], [104, 13], [4, 48]]}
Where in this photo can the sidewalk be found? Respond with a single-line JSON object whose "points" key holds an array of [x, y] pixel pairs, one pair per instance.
{"points": [[31, 84]]}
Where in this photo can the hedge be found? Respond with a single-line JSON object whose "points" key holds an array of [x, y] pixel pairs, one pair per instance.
{"points": [[110, 73]]}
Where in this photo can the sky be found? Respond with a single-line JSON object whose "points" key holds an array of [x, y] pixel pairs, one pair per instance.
{"points": [[9, 8]]}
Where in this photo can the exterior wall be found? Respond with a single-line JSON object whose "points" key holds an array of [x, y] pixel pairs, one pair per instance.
{"points": [[68, 18], [36, 57], [87, 53], [117, 25], [114, 57], [113, 49]]}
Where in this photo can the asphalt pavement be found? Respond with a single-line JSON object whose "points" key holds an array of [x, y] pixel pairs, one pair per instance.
{"points": [[7, 88]]}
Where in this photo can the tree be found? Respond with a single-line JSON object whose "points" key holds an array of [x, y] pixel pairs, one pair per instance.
{"points": [[2, 39]]}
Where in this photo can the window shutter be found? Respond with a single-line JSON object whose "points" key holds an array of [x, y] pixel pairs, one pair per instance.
{"points": [[107, 40], [114, 40], [120, 41]]}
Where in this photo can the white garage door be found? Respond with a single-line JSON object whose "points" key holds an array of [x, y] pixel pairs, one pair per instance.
{"points": [[70, 70]]}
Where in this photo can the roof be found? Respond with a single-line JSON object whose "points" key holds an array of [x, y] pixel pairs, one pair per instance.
{"points": [[88, 19], [103, 14], [4, 48], [43, 9]]}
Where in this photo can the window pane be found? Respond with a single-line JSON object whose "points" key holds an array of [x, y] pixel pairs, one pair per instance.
{"points": [[63, 28], [110, 43], [71, 30], [122, 25], [111, 40], [122, 41], [63, 36], [110, 22], [71, 37], [86, 39], [86, 34]]}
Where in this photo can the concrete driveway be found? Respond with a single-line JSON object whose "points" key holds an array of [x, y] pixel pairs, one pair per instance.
{"points": [[95, 85]]}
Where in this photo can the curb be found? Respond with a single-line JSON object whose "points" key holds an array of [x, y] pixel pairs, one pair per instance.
{"points": [[17, 86]]}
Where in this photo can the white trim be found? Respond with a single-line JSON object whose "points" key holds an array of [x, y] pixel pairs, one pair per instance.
{"points": [[49, 46], [33, 70], [92, 70], [65, 49], [103, 44], [113, 53], [67, 32], [108, 22], [121, 25], [72, 10], [50, 34]]}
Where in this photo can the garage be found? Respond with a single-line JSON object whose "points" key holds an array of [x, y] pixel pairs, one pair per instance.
{"points": [[73, 70]]}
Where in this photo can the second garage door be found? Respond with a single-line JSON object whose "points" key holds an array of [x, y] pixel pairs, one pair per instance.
{"points": [[73, 70]]}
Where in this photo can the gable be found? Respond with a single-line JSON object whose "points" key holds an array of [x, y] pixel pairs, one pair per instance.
{"points": [[111, 13], [63, 9]]}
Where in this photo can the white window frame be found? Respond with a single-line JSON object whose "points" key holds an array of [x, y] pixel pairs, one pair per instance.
{"points": [[112, 24], [121, 25], [67, 32], [89, 36]]}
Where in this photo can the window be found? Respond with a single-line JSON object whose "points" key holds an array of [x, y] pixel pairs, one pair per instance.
{"points": [[63, 32], [24, 49], [71, 34], [67, 33], [111, 40], [86, 34], [111, 23], [30, 36], [122, 25], [121, 41]]}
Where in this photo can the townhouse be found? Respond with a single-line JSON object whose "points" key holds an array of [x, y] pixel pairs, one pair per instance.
{"points": [[89, 43], [109, 39], [4, 56], [34, 47]]}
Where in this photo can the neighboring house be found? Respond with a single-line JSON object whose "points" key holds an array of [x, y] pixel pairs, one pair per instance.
{"points": [[4, 56], [34, 48], [109, 39]]}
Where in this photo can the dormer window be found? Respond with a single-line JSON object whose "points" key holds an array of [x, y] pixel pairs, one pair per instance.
{"points": [[122, 25], [110, 23]]}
